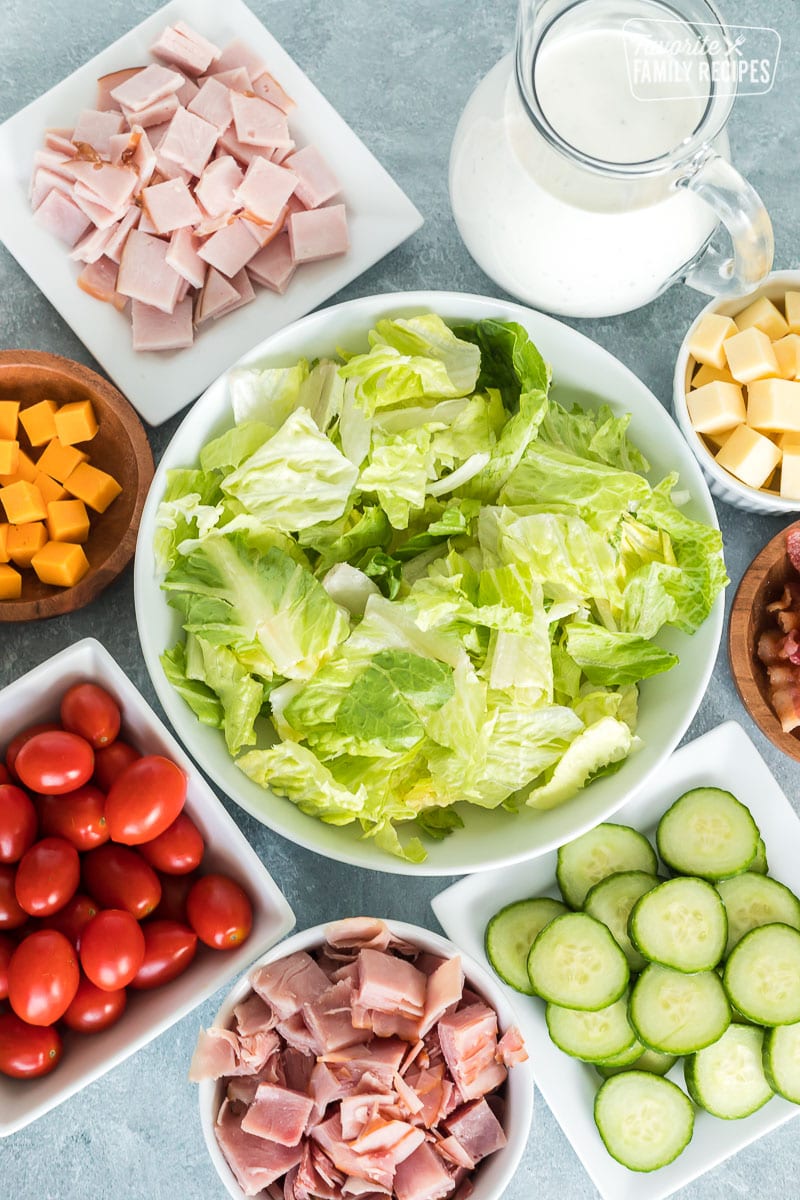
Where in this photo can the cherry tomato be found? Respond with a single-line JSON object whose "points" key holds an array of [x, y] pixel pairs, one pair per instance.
{"points": [[43, 977], [169, 948], [219, 912], [78, 816], [16, 743], [47, 876], [176, 851], [5, 774], [11, 915], [7, 948], [54, 763], [145, 800], [94, 1009], [112, 949], [111, 761], [120, 878], [71, 919], [174, 892], [90, 711], [17, 823], [27, 1051]]}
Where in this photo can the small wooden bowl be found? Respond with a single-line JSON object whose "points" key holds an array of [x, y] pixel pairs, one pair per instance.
{"points": [[762, 582], [120, 447]]}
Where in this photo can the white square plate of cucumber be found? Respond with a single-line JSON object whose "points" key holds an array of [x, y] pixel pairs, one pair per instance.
{"points": [[723, 759]]}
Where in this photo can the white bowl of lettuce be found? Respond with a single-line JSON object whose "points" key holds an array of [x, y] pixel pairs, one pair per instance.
{"points": [[415, 607]]}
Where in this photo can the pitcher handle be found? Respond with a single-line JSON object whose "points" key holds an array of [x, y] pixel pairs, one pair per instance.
{"points": [[742, 211]]}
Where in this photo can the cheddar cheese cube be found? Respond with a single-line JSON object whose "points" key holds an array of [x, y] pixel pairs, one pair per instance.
{"points": [[75, 422], [24, 541], [773, 406], [749, 456], [10, 583], [38, 421], [764, 315], [4, 543], [9, 456], [787, 352], [792, 305], [23, 503], [705, 374], [790, 474], [67, 521], [49, 488], [9, 418], [716, 407], [26, 471], [94, 487], [706, 343], [59, 461], [62, 564], [750, 356]]}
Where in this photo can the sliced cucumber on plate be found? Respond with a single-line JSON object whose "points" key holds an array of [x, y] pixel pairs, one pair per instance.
{"points": [[781, 1058], [752, 900], [645, 1121], [727, 1079], [708, 832], [603, 851], [648, 1060], [680, 924], [762, 975], [611, 901], [511, 933], [676, 1013], [592, 1036], [576, 963]]}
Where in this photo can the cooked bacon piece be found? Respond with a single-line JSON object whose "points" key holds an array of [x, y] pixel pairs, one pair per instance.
{"points": [[469, 1044], [511, 1048], [789, 597], [477, 1129], [255, 1162], [786, 702], [423, 1176], [769, 647], [793, 548]]}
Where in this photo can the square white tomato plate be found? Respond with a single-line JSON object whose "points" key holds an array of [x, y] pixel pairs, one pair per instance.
{"points": [[724, 758], [380, 216]]}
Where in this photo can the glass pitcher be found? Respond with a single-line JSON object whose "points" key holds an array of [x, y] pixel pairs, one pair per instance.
{"points": [[590, 170]]}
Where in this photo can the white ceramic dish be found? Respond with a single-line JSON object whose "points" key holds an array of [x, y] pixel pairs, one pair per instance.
{"points": [[724, 485], [35, 697], [725, 758], [158, 385], [493, 1176], [582, 371]]}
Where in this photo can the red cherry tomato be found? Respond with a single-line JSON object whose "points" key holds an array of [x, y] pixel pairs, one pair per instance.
{"points": [[90, 711], [5, 774], [169, 947], [17, 823], [112, 949], [54, 763], [47, 877], [71, 919], [43, 977], [11, 915], [176, 851], [174, 893], [120, 878], [219, 912], [27, 1051], [79, 817], [94, 1009], [145, 800], [111, 761], [16, 743], [7, 948]]}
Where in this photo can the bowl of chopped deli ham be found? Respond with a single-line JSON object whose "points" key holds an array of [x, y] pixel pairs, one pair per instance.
{"points": [[365, 1058]]}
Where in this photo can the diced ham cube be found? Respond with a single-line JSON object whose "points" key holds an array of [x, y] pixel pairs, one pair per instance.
{"points": [[145, 274], [213, 104], [269, 89], [189, 141], [316, 182], [183, 47], [145, 87], [237, 79], [92, 246], [144, 157], [145, 224], [469, 1044], [280, 155], [319, 233], [59, 164], [230, 249], [106, 85], [289, 983], [43, 182], [243, 288], [182, 256], [95, 128], [238, 54], [61, 142], [208, 225], [102, 217], [105, 184], [265, 190], [257, 122], [329, 1018], [511, 1048], [119, 236], [170, 205], [157, 113], [187, 92], [156, 133], [477, 1129], [230, 144], [278, 1114], [99, 279], [171, 170], [445, 988], [423, 1176], [390, 985], [264, 234], [157, 330], [59, 215], [252, 1015], [216, 187], [255, 1162]]}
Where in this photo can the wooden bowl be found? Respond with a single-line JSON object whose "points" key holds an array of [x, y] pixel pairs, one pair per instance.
{"points": [[119, 447], [762, 582]]}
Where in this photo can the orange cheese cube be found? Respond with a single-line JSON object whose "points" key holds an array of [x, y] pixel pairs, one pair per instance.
{"points": [[9, 416], [49, 488], [10, 583], [9, 456], [23, 503], [24, 541], [62, 564], [67, 521], [76, 422], [96, 488], [26, 470], [38, 421], [4, 543], [59, 461]]}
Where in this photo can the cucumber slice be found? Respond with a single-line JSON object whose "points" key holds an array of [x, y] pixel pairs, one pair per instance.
{"points": [[576, 963], [650, 1060], [511, 933], [752, 900], [676, 1013], [680, 924], [623, 1061], [727, 1079], [759, 863], [762, 975], [781, 1060], [591, 1036], [611, 901], [644, 1121], [707, 832], [603, 851]]}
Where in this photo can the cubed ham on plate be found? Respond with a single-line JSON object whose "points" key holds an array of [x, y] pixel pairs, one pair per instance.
{"points": [[469, 1043], [106, 85], [259, 123], [99, 279], [316, 182], [240, 282], [217, 185], [229, 249], [477, 1129], [170, 205], [157, 113], [145, 274], [145, 87], [265, 190], [388, 984], [255, 1162], [237, 79], [319, 233], [59, 215], [213, 104], [181, 46], [269, 89], [423, 1176], [217, 296], [43, 182], [182, 256], [278, 1114], [238, 54], [189, 141], [95, 128], [103, 183], [289, 983]]}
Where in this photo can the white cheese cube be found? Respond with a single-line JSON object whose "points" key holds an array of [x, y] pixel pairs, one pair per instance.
{"points": [[749, 456], [716, 407], [705, 344], [792, 303], [705, 374], [788, 441], [790, 475], [773, 405], [787, 352], [750, 356], [764, 315]]}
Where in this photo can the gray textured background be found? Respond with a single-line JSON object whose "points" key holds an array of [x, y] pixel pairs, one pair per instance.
{"points": [[400, 74]]}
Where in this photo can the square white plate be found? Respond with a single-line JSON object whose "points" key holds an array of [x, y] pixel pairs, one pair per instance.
{"points": [[380, 216], [724, 758]]}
